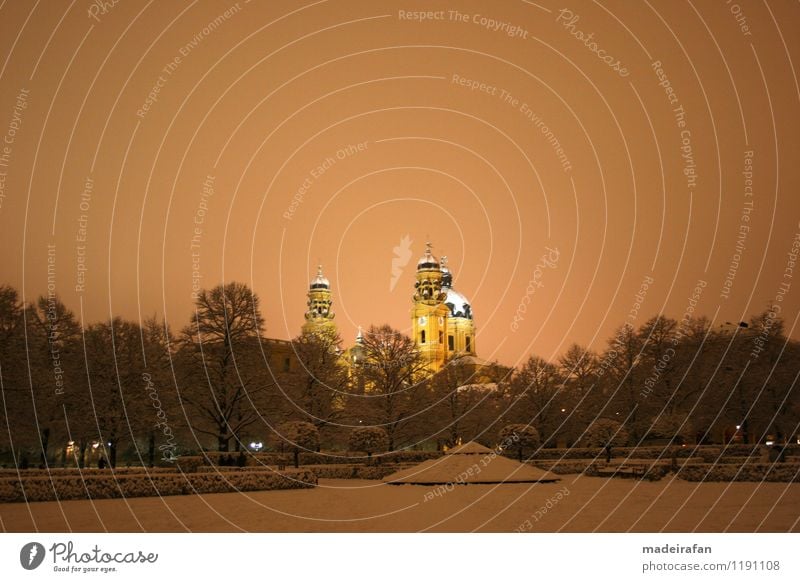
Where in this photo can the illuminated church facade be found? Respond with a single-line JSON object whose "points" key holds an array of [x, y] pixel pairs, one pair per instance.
{"points": [[442, 322]]}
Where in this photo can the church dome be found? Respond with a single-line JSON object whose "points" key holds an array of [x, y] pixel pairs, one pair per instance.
{"points": [[427, 261], [458, 304], [320, 282]]}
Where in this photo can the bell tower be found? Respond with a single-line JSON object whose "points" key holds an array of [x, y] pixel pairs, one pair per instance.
{"points": [[319, 316], [429, 314]]}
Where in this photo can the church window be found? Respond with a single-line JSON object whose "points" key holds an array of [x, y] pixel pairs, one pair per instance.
{"points": [[422, 337], [469, 343], [451, 343]]}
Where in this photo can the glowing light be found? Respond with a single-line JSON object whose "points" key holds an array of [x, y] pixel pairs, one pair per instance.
{"points": [[256, 446]]}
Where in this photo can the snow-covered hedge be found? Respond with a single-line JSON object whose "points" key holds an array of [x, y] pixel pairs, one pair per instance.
{"points": [[595, 452], [708, 452], [746, 469], [109, 486], [726, 460], [563, 467], [6, 473], [354, 471], [781, 472], [324, 458]]}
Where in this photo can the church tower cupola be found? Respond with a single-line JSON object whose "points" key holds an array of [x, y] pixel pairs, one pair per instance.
{"points": [[429, 314], [319, 315], [428, 286]]}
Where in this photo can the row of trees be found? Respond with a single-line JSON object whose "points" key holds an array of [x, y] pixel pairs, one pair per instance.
{"points": [[68, 389]]}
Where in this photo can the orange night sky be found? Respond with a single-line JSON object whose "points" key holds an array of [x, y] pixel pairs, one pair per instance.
{"points": [[151, 146]]}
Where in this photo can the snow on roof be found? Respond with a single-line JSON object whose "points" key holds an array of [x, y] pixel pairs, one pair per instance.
{"points": [[479, 386], [470, 448], [467, 467]]}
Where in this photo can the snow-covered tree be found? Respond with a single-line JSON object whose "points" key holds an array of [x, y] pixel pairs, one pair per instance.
{"points": [[299, 436], [518, 437], [369, 439]]}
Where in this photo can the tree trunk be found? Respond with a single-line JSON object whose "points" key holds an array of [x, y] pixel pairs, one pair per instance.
{"points": [[223, 440], [112, 454], [45, 441], [151, 449], [82, 455]]}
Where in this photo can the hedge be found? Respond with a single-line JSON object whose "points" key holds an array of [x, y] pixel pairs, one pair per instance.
{"points": [[712, 452], [9, 473], [723, 460], [329, 458], [617, 452], [563, 467], [116, 486], [374, 472], [322, 471], [778, 472]]}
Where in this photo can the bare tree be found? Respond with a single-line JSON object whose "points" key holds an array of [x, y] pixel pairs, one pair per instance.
{"points": [[535, 392], [392, 372], [582, 393], [319, 385], [55, 360], [16, 409], [622, 362], [224, 381], [112, 403], [165, 426], [299, 436], [463, 404]]}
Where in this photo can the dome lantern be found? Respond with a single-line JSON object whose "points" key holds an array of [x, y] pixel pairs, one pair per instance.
{"points": [[320, 281]]}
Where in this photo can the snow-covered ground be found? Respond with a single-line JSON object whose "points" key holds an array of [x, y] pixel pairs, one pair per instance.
{"points": [[576, 503]]}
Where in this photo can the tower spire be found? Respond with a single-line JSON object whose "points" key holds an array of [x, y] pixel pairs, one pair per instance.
{"points": [[447, 276], [319, 315]]}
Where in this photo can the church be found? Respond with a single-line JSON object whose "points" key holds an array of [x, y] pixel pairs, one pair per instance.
{"points": [[442, 321]]}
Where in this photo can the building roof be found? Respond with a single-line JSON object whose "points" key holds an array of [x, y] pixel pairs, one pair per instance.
{"points": [[470, 448], [470, 464]]}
